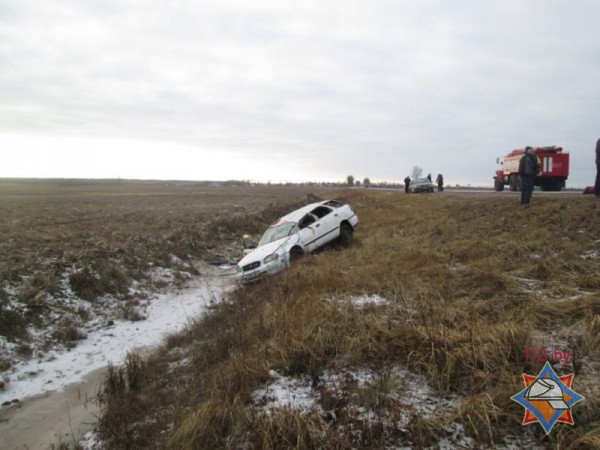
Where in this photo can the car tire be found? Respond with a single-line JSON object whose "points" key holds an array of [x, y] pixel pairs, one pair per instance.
{"points": [[346, 233], [296, 253]]}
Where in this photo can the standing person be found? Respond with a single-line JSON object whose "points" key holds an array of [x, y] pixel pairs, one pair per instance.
{"points": [[406, 184], [440, 182], [597, 184], [529, 165], [429, 177]]}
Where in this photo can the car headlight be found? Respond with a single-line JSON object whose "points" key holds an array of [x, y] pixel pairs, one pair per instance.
{"points": [[271, 258]]}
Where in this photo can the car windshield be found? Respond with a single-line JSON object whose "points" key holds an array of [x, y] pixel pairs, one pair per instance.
{"points": [[276, 232], [422, 181]]}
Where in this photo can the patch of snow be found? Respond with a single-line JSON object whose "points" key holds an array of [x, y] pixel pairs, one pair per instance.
{"points": [[399, 386], [286, 392], [590, 254], [458, 437], [405, 387], [367, 300], [11, 289], [299, 393], [362, 301], [455, 267], [181, 363], [90, 441], [4, 344], [161, 274], [530, 285]]}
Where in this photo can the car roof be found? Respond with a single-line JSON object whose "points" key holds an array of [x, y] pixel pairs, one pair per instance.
{"points": [[295, 216]]}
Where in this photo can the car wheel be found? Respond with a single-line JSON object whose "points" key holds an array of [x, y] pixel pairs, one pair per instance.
{"points": [[295, 254], [346, 233]]}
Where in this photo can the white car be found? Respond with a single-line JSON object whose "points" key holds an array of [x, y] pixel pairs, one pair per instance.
{"points": [[301, 231]]}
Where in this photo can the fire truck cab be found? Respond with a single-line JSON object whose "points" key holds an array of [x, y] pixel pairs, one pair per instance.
{"points": [[554, 169]]}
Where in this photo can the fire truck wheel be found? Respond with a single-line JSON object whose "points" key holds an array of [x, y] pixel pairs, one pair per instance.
{"points": [[498, 186]]}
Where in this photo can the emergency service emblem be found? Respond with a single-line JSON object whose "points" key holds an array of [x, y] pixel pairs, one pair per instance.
{"points": [[547, 398]]}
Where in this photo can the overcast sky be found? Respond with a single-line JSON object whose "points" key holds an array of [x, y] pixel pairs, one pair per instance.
{"points": [[295, 90]]}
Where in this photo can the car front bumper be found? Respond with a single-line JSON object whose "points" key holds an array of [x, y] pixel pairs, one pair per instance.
{"points": [[248, 276]]}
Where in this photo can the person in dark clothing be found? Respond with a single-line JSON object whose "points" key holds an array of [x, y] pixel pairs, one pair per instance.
{"points": [[440, 182], [429, 176], [597, 184], [529, 165], [406, 184]]}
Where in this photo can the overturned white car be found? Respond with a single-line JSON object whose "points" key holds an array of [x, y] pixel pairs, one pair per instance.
{"points": [[299, 232]]}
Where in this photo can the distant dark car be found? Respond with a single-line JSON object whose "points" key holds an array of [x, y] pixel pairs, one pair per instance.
{"points": [[420, 185]]}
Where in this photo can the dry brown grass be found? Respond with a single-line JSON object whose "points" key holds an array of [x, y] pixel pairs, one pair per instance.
{"points": [[457, 277], [470, 283]]}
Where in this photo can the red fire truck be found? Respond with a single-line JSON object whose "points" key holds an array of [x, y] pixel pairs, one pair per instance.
{"points": [[554, 169]]}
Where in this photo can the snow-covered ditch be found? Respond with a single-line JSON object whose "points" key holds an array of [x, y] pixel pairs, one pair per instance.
{"points": [[164, 314]]}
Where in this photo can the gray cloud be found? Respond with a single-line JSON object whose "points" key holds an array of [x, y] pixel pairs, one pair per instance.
{"points": [[368, 88]]}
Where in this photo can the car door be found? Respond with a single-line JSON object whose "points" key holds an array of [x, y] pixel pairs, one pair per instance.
{"points": [[327, 225], [307, 232]]}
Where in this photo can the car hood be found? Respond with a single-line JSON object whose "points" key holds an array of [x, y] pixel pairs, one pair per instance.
{"points": [[263, 251]]}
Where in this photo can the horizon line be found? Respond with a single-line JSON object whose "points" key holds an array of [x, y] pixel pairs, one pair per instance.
{"points": [[244, 181]]}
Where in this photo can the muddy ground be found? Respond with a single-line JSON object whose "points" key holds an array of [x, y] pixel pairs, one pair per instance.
{"points": [[51, 418]]}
